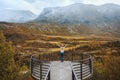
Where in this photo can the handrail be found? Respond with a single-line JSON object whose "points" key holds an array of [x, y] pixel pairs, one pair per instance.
{"points": [[84, 65], [48, 74], [81, 60], [73, 73], [38, 65], [67, 56], [82, 69]]}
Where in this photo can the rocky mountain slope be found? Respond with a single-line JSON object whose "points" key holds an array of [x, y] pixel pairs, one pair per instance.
{"points": [[82, 14]]}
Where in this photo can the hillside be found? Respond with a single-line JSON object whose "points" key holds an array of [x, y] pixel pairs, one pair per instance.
{"points": [[63, 29], [41, 39]]}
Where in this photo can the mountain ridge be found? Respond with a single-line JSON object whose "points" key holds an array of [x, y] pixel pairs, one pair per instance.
{"points": [[81, 14], [17, 16]]}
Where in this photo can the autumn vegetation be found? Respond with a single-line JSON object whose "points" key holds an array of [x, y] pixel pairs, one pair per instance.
{"points": [[19, 41]]}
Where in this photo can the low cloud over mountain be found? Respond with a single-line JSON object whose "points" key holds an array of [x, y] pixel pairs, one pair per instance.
{"points": [[18, 16]]}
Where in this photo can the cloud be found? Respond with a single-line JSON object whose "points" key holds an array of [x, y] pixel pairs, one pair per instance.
{"points": [[17, 5], [100, 2], [36, 6]]}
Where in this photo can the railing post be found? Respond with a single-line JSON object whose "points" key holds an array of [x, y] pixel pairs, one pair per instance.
{"points": [[72, 56], [90, 64], [81, 56], [81, 69], [43, 56], [73, 76], [39, 56], [31, 64], [40, 70], [51, 57], [49, 76]]}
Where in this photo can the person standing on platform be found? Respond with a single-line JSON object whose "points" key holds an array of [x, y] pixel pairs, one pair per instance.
{"points": [[62, 48]]}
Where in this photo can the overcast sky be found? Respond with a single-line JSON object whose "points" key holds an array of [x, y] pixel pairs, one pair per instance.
{"points": [[36, 6]]}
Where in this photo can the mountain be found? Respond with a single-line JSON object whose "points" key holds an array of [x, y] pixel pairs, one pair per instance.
{"points": [[18, 16], [81, 14]]}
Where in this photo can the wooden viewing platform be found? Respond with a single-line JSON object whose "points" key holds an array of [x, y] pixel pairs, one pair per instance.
{"points": [[57, 70]]}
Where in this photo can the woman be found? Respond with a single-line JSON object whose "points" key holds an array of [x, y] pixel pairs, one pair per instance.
{"points": [[62, 47]]}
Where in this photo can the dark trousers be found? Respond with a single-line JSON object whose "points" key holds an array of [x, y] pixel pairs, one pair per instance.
{"points": [[62, 57]]}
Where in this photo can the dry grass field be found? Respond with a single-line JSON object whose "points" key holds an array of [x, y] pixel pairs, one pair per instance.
{"points": [[27, 41]]}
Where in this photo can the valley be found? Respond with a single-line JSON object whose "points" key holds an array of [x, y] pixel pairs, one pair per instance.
{"points": [[42, 39], [85, 28]]}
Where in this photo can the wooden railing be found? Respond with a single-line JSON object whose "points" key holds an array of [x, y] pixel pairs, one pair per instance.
{"points": [[40, 70], [82, 69]]}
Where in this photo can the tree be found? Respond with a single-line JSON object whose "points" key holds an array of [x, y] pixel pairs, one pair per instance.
{"points": [[8, 69]]}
